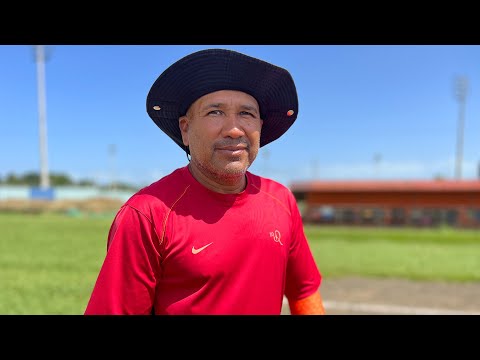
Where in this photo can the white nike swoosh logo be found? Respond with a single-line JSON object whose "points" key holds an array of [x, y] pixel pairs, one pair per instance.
{"points": [[196, 251]]}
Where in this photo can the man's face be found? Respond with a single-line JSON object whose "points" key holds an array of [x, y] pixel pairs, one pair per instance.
{"points": [[222, 130]]}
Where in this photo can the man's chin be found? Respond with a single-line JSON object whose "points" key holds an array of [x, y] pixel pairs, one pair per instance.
{"points": [[232, 170]]}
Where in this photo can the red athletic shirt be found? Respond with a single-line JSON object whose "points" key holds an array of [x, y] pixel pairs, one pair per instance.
{"points": [[176, 247]]}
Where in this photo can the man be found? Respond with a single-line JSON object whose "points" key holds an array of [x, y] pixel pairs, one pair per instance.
{"points": [[211, 237]]}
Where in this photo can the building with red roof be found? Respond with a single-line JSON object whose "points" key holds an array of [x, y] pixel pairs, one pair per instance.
{"points": [[385, 203]]}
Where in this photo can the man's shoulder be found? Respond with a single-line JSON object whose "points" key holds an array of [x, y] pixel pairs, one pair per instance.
{"points": [[267, 184], [159, 192]]}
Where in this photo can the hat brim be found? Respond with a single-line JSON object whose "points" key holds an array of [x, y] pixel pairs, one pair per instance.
{"points": [[210, 70]]}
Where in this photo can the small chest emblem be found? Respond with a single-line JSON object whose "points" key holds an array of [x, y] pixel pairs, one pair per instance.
{"points": [[196, 251], [276, 236]]}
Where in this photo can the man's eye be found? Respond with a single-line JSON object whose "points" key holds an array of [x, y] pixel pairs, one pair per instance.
{"points": [[215, 112]]}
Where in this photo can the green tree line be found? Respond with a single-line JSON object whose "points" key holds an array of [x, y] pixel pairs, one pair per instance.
{"points": [[32, 178]]}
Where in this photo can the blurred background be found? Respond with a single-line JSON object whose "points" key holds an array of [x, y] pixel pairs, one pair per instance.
{"points": [[383, 159], [366, 112]]}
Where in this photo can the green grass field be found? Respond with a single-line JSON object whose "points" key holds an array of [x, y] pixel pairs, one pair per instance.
{"points": [[49, 263], [421, 254]]}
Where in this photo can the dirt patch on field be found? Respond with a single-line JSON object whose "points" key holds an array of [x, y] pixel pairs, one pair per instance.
{"points": [[93, 205], [400, 296], [386, 296]]}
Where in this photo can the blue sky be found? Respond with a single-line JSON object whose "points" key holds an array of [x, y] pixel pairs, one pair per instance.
{"points": [[365, 112]]}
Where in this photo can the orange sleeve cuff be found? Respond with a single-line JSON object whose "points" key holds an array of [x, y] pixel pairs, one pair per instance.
{"points": [[311, 305]]}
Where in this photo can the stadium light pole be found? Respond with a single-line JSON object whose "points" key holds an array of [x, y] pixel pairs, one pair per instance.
{"points": [[461, 89], [42, 115]]}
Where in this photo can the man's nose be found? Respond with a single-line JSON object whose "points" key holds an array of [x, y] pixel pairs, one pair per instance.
{"points": [[232, 126]]}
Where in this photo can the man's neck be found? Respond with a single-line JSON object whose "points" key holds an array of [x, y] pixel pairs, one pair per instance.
{"points": [[222, 185]]}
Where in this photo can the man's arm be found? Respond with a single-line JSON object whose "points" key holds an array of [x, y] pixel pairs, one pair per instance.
{"points": [[127, 279], [311, 305]]}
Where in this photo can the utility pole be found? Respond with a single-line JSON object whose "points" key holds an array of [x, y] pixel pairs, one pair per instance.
{"points": [[461, 89], [315, 168], [42, 116], [112, 151], [266, 157], [377, 158]]}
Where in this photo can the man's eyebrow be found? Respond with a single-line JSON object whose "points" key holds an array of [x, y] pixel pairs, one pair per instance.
{"points": [[250, 108], [219, 105], [213, 105]]}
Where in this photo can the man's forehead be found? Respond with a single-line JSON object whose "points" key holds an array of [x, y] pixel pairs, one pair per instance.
{"points": [[227, 97]]}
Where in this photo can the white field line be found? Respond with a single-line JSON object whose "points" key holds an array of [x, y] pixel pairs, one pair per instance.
{"points": [[392, 309], [389, 309]]}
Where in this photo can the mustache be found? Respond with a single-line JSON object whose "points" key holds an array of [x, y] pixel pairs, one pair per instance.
{"points": [[232, 142]]}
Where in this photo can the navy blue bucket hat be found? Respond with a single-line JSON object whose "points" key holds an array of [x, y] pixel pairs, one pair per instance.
{"points": [[212, 70]]}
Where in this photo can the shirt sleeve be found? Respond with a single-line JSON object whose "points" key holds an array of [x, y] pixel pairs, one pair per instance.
{"points": [[311, 305], [127, 279], [303, 276]]}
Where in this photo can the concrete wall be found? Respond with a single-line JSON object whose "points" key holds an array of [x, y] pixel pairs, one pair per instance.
{"points": [[61, 193]]}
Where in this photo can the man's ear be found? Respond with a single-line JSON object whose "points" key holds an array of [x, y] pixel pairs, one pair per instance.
{"points": [[183, 123]]}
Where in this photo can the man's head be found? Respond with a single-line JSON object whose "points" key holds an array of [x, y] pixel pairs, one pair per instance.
{"points": [[211, 70], [222, 130]]}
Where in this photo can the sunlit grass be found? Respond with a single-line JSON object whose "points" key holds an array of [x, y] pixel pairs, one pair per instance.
{"points": [[49, 263], [423, 254]]}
